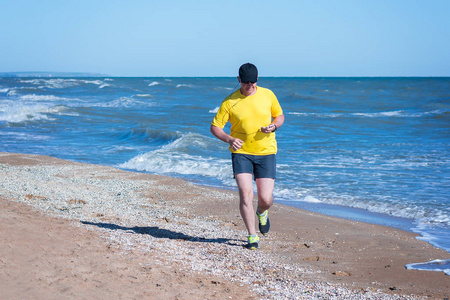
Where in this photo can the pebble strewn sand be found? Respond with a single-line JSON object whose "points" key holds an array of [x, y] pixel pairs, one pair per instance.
{"points": [[152, 215]]}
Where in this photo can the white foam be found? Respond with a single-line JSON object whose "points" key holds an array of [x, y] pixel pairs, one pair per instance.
{"points": [[116, 148], [62, 110], [214, 111], [398, 113], [126, 102], [17, 112], [437, 265], [178, 157], [184, 85], [154, 83], [311, 199], [52, 83], [319, 115], [380, 204], [225, 88], [26, 137], [60, 83], [392, 208], [100, 83], [184, 164], [297, 113], [434, 230], [390, 114], [11, 93], [33, 97]]}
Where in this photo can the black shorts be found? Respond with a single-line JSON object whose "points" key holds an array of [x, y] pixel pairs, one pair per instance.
{"points": [[261, 166]]}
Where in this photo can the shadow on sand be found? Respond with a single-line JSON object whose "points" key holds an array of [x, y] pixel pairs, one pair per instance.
{"points": [[164, 233]]}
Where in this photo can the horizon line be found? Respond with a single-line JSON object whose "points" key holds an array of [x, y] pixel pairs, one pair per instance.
{"points": [[93, 74]]}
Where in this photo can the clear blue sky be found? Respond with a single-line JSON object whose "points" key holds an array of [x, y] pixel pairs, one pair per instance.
{"points": [[213, 37]]}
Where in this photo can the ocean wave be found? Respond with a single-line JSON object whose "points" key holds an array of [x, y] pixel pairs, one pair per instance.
{"points": [[374, 162], [397, 207], [181, 85], [20, 136], [220, 88], [16, 112], [192, 143], [392, 207], [311, 199], [100, 83], [127, 102], [438, 265], [157, 137], [52, 83], [11, 93], [164, 162], [397, 114], [386, 114], [319, 115], [434, 233], [59, 83], [305, 97], [121, 149], [62, 110], [294, 195], [33, 97], [214, 111], [183, 156], [154, 83]]}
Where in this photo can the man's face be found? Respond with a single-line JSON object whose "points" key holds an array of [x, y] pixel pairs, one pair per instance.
{"points": [[247, 88]]}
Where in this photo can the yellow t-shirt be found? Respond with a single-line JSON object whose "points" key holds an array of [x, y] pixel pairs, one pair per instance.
{"points": [[247, 114]]}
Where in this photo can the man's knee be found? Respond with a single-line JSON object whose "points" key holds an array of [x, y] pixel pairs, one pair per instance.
{"points": [[265, 202]]}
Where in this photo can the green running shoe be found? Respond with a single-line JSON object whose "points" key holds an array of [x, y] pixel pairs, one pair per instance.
{"points": [[253, 242], [264, 222]]}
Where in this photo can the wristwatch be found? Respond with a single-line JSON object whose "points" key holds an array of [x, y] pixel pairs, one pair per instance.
{"points": [[275, 127]]}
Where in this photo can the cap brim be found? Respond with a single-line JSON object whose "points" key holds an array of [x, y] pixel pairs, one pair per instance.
{"points": [[249, 78]]}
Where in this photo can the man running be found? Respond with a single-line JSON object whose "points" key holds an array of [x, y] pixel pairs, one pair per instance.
{"points": [[255, 114]]}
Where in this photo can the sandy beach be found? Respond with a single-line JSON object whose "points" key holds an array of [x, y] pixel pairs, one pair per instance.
{"points": [[78, 231]]}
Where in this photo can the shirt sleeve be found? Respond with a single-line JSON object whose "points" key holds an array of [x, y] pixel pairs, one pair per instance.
{"points": [[276, 107], [222, 116]]}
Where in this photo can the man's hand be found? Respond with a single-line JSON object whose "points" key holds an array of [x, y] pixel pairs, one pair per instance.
{"points": [[236, 144], [269, 129]]}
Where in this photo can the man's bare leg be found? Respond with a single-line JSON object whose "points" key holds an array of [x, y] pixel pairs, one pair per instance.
{"points": [[245, 185], [265, 188]]}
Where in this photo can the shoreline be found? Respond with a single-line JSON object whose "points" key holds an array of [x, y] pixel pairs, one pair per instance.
{"points": [[332, 210], [199, 230]]}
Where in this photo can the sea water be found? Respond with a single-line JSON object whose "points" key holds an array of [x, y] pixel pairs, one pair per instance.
{"points": [[369, 149]]}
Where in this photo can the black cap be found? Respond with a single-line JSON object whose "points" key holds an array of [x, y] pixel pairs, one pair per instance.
{"points": [[248, 72]]}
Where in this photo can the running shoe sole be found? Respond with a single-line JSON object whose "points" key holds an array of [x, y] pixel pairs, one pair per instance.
{"points": [[252, 246]]}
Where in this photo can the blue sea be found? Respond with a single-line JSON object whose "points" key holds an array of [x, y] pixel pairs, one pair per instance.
{"points": [[368, 149]]}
